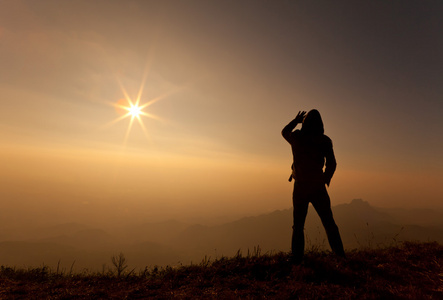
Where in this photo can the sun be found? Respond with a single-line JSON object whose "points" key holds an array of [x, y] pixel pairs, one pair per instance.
{"points": [[135, 110], [130, 109], [126, 108]]}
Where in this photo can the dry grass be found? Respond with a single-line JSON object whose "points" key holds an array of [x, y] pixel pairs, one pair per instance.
{"points": [[406, 271]]}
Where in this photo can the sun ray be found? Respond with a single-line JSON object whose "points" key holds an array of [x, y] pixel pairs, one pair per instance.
{"points": [[128, 130], [143, 81], [123, 89], [152, 116], [134, 107], [115, 120], [134, 110], [143, 127], [161, 97]]}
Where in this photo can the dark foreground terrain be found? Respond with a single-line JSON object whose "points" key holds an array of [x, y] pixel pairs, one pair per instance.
{"points": [[406, 271]]}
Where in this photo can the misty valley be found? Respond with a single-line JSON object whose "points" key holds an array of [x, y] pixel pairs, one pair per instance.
{"points": [[77, 247]]}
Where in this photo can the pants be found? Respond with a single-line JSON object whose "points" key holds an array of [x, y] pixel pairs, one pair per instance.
{"points": [[317, 194]]}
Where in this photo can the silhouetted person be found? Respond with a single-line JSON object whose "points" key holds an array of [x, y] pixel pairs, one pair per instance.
{"points": [[310, 148]]}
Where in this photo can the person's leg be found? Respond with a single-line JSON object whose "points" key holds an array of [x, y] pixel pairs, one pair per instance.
{"points": [[322, 205], [299, 216]]}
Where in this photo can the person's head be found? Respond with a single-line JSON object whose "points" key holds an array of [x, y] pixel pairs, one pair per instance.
{"points": [[313, 123]]}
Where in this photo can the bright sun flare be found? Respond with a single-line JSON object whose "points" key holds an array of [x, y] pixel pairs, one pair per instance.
{"points": [[135, 110], [131, 108]]}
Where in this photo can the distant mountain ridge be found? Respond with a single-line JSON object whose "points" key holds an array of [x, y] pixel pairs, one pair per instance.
{"points": [[360, 224], [173, 242]]}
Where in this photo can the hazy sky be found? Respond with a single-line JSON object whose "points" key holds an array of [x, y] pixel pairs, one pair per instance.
{"points": [[224, 78]]}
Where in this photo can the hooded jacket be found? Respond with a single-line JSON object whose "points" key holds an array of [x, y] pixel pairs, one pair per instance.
{"points": [[311, 150]]}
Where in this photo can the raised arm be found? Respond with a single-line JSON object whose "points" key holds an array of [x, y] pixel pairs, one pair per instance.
{"points": [[286, 132]]}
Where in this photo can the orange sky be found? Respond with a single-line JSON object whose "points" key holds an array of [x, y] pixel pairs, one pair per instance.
{"points": [[229, 77]]}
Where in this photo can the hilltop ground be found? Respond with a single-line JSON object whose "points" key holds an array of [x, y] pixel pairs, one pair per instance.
{"points": [[406, 271]]}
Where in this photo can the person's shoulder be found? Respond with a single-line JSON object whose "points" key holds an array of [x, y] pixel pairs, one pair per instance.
{"points": [[326, 139]]}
